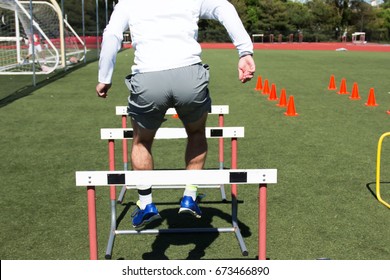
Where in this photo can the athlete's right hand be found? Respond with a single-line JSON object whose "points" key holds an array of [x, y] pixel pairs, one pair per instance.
{"points": [[102, 89]]}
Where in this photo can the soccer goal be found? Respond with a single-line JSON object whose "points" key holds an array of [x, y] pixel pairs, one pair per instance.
{"points": [[48, 44]]}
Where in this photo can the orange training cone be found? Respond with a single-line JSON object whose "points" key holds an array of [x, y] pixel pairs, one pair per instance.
{"points": [[291, 108], [266, 87], [388, 112], [343, 87], [332, 83], [259, 84], [355, 92], [175, 116], [371, 98], [282, 100], [272, 95]]}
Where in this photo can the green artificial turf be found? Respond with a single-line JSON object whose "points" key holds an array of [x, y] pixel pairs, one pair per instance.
{"points": [[324, 203]]}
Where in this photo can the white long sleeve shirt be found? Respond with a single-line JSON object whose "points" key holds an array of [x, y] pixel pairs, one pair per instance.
{"points": [[164, 33]]}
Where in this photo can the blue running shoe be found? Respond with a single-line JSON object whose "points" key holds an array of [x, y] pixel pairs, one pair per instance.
{"points": [[145, 216], [188, 205]]}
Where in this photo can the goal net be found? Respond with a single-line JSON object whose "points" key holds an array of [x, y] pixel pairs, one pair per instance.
{"points": [[48, 44]]}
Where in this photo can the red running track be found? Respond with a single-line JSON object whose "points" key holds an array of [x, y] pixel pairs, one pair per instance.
{"points": [[371, 47]]}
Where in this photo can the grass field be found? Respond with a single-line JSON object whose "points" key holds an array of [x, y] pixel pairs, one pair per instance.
{"points": [[17, 86], [323, 205]]}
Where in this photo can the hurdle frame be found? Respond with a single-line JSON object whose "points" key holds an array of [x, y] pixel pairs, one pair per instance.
{"points": [[220, 110], [112, 134], [378, 168], [261, 177]]}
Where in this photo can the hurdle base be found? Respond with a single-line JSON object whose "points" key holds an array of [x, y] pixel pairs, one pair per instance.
{"points": [[176, 230], [234, 230]]}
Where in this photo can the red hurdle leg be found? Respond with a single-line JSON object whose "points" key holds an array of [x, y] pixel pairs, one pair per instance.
{"points": [[93, 245], [262, 222]]}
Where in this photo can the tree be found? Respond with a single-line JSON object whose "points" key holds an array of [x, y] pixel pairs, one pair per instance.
{"points": [[73, 12], [341, 7], [361, 14], [379, 23], [298, 15], [386, 4], [273, 17], [325, 22]]}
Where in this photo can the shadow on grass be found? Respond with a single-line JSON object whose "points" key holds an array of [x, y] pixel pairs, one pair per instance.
{"points": [[201, 240], [27, 90], [371, 187], [24, 91]]}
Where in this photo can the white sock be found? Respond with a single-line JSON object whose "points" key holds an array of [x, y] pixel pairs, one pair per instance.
{"points": [[145, 196], [191, 190], [145, 200]]}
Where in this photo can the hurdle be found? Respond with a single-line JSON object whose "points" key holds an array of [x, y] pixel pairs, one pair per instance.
{"points": [[112, 134], [378, 168], [260, 177], [220, 110]]}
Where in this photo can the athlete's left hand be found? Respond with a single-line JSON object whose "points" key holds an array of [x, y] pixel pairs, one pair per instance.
{"points": [[246, 68]]}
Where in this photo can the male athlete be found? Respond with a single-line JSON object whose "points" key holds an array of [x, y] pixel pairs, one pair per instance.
{"points": [[168, 72]]}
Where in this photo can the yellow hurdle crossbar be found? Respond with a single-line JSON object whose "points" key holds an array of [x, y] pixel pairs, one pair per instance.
{"points": [[378, 169]]}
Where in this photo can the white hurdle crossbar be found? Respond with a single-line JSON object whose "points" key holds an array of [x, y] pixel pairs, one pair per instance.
{"points": [[215, 110], [112, 134], [173, 133], [220, 110], [261, 177]]}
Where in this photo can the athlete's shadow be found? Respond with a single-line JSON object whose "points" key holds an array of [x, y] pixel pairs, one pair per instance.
{"points": [[201, 240]]}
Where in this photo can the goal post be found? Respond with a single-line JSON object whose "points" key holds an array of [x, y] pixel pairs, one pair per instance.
{"points": [[51, 41]]}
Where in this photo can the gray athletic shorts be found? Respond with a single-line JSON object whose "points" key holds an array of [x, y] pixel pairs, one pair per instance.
{"points": [[152, 93]]}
